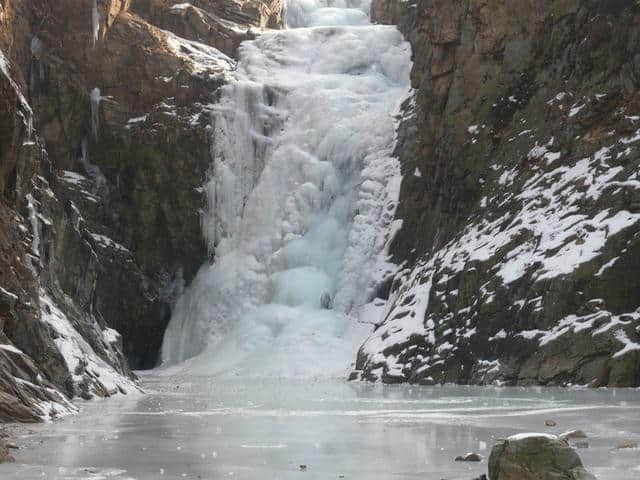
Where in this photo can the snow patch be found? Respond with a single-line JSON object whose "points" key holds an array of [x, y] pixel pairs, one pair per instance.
{"points": [[204, 59], [81, 360], [525, 436]]}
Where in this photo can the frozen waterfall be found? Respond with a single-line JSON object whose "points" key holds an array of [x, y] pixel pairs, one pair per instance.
{"points": [[301, 198]]}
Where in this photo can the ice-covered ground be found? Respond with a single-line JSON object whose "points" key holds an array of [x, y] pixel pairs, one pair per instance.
{"points": [[199, 428], [301, 198]]}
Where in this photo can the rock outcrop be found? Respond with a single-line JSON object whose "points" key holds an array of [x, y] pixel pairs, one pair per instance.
{"points": [[222, 25], [104, 147], [520, 241], [535, 457]]}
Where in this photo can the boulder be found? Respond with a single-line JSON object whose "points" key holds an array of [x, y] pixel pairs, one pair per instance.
{"points": [[5, 456], [535, 456], [627, 444], [469, 457]]}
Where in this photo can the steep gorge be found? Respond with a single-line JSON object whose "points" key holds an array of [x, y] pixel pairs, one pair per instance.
{"points": [[519, 203]]}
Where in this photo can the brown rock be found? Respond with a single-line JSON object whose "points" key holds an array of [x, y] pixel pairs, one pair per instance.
{"points": [[627, 444]]}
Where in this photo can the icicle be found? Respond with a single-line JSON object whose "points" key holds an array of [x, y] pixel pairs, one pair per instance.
{"points": [[36, 54], [36, 47], [35, 225], [95, 20], [95, 111], [93, 171]]}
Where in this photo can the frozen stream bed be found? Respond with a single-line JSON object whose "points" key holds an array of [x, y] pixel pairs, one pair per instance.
{"points": [[199, 428]]}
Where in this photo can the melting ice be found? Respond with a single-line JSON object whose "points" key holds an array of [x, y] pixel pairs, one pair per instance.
{"points": [[301, 197]]}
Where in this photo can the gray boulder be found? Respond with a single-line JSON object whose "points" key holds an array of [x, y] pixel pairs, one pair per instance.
{"points": [[535, 456]]}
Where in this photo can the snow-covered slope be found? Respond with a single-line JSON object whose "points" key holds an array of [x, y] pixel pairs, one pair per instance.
{"points": [[520, 199]]}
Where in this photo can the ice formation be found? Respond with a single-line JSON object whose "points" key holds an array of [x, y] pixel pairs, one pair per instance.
{"points": [[95, 22], [301, 198], [95, 99]]}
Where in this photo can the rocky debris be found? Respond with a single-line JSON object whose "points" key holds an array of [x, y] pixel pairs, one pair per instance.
{"points": [[469, 457], [534, 456], [520, 235], [550, 423]]}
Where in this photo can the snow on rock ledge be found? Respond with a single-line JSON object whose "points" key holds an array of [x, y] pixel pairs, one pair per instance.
{"points": [[521, 236], [546, 225], [90, 374]]}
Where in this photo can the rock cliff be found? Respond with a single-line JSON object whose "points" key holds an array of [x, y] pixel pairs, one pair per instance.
{"points": [[520, 241], [520, 204], [104, 146]]}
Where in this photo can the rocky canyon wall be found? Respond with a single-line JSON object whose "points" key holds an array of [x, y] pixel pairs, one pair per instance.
{"points": [[103, 150], [520, 243], [520, 204]]}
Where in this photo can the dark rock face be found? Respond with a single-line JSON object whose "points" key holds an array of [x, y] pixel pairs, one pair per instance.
{"points": [[220, 24], [520, 200], [535, 457], [104, 147]]}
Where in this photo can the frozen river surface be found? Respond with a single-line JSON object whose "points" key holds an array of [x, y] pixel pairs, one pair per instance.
{"points": [[199, 428]]}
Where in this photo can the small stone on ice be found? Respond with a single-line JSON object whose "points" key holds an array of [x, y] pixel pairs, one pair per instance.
{"points": [[469, 457], [572, 434], [627, 444]]}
